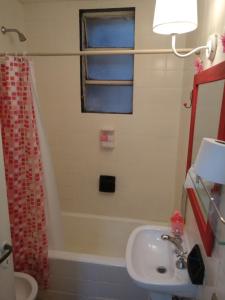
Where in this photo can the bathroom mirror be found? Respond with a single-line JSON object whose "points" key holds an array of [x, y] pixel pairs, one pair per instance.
{"points": [[207, 116], [207, 120]]}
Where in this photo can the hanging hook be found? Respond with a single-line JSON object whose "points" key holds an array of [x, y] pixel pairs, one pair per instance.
{"points": [[186, 105]]}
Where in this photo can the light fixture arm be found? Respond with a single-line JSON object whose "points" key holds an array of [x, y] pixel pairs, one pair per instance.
{"points": [[207, 47]]}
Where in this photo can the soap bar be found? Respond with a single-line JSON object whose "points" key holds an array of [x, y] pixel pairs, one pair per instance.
{"points": [[195, 266]]}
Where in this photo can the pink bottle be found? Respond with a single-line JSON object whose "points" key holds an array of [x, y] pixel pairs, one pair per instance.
{"points": [[177, 223]]}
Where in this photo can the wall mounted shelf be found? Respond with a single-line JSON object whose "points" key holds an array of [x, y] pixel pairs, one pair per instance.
{"points": [[212, 201]]}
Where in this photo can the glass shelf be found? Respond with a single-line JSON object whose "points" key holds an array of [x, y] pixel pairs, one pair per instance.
{"points": [[207, 193]]}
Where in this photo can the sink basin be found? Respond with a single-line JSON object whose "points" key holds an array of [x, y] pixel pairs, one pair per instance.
{"points": [[151, 263]]}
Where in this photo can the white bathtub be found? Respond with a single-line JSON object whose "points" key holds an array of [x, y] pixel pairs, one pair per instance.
{"points": [[97, 235], [92, 265]]}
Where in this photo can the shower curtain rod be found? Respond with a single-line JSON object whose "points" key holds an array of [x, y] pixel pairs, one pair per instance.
{"points": [[98, 52]]}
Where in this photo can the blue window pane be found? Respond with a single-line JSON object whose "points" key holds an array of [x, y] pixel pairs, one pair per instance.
{"points": [[113, 67], [110, 32], [108, 99]]}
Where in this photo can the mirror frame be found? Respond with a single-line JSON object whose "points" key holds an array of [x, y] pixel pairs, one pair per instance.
{"points": [[214, 73]]}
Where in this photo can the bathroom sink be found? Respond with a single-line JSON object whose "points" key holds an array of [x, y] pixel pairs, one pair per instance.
{"points": [[151, 263]]}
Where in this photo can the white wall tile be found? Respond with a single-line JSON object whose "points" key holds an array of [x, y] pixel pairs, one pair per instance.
{"points": [[174, 63], [73, 136], [211, 19]]}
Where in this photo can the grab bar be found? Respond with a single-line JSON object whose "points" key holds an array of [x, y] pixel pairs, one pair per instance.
{"points": [[5, 252]]}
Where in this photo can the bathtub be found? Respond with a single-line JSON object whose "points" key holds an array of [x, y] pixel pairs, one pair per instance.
{"points": [[97, 235], [92, 263]]}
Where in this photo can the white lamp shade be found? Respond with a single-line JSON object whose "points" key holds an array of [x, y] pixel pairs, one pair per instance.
{"points": [[175, 16], [210, 161]]}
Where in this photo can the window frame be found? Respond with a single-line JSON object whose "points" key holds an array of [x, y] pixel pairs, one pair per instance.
{"points": [[83, 59]]}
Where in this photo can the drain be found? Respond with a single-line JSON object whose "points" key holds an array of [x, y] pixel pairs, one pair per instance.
{"points": [[161, 270]]}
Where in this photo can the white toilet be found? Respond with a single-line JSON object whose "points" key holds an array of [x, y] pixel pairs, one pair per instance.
{"points": [[26, 286]]}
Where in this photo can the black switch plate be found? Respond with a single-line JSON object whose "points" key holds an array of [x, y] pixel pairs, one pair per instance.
{"points": [[107, 184]]}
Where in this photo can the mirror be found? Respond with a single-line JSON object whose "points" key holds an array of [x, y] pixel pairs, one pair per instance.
{"points": [[207, 120], [208, 109]]}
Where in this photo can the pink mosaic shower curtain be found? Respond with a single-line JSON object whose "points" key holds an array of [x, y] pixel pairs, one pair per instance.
{"points": [[24, 174]]}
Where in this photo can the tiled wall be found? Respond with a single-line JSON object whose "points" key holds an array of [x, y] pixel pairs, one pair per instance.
{"points": [[71, 280], [144, 158], [211, 19], [12, 16]]}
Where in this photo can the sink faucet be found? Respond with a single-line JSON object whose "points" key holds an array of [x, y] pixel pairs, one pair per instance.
{"points": [[181, 262], [177, 241]]}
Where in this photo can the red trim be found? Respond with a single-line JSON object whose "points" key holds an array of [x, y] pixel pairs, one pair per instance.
{"points": [[221, 132], [214, 73], [192, 127], [209, 241]]}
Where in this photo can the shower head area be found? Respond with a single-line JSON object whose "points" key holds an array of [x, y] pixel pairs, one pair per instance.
{"points": [[21, 36]]}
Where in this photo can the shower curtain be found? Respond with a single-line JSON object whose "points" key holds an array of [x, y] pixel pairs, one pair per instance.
{"points": [[53, 211], [24, 170]]}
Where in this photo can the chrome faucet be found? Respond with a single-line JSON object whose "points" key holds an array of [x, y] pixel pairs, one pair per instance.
{"points": [[177, 241], [181, 262]]}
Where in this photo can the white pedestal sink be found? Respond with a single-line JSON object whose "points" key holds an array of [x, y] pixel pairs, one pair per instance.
{"points": [[151, 262]]}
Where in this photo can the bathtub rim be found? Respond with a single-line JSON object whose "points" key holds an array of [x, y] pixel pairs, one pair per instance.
{"points": [[94, 258], [140, 222], [87, 258]]}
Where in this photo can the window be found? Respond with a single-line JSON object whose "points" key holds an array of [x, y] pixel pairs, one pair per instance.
{"points": [[107, 80]]}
